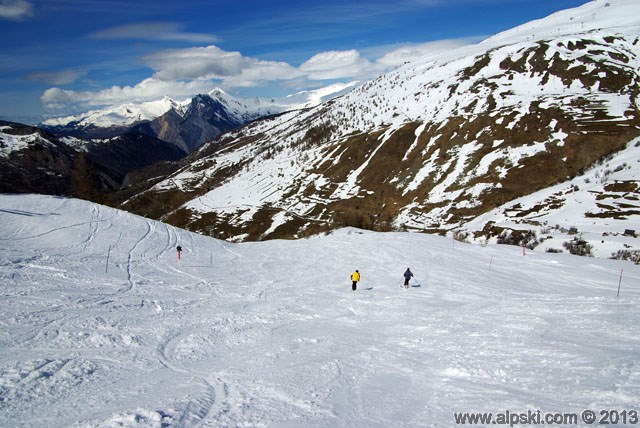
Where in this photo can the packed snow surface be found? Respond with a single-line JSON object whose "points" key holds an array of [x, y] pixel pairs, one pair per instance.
{"points": [[101, 326]]}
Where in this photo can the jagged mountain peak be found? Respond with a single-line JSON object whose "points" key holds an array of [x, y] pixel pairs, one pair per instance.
{"points": [[201, 102]]}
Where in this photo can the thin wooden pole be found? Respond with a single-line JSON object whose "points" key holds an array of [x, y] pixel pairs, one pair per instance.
{"points": [[619, 282], [106, 267]]}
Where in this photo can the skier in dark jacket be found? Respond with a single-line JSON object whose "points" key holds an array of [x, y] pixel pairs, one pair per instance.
{"points": [[407, 277]]}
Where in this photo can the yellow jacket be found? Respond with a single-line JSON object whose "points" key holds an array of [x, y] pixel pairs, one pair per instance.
{"points": [[355, 276]]}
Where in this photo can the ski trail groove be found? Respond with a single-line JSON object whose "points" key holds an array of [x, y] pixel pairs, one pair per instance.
{"points": [[94, 225], [198, 409], [39, 235], [131, 256]]}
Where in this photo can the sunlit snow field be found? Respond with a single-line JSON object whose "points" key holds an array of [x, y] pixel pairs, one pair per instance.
{"points": [[101, 327]]}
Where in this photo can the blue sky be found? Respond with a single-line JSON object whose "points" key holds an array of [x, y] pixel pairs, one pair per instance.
{"points": [[62, 57]]}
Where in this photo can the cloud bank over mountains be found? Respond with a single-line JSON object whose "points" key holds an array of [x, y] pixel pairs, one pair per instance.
{"points": [[184, 72]]}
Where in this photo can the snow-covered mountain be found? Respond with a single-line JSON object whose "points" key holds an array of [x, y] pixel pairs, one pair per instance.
{"points": [[118, 116], [103, 327], [189, 123], [249, 109], [440, 142], [131, 113], [185, 124]]}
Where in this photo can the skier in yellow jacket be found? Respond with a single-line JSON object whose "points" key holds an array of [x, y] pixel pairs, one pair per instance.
{"points": [[355, 277]]}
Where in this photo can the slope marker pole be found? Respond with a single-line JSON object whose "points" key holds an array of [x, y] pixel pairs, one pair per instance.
{"points": [[106, 267], [619, 282]]}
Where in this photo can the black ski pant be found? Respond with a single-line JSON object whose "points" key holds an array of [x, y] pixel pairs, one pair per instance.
{"points": [[353, 286]]}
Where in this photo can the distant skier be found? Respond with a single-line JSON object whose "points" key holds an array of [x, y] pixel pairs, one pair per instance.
{"points": [[179, 249], [355, 277], [407, 277]]}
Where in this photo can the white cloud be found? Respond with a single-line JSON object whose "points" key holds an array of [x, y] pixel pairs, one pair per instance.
{"points": [[179, 73], [337, 65], [352, 65], [153, 31], [195, 63], [147, 90], [15, 9], [261, 72], [183, 73], [212, 62], [63, 77], [410, 52]]}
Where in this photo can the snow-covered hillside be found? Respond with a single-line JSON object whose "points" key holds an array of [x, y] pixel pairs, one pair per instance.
{"points": [[599, 205], [102, 327], [618, 15], [10, 142]]}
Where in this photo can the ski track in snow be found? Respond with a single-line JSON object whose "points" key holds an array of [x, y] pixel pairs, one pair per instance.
{"points": [[270, 333]]}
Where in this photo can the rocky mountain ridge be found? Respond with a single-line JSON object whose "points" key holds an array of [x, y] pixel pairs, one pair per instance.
{"points": [[35, 161]]}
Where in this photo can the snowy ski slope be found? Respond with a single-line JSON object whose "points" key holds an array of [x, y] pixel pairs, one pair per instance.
{"points": [[100, 327]]}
